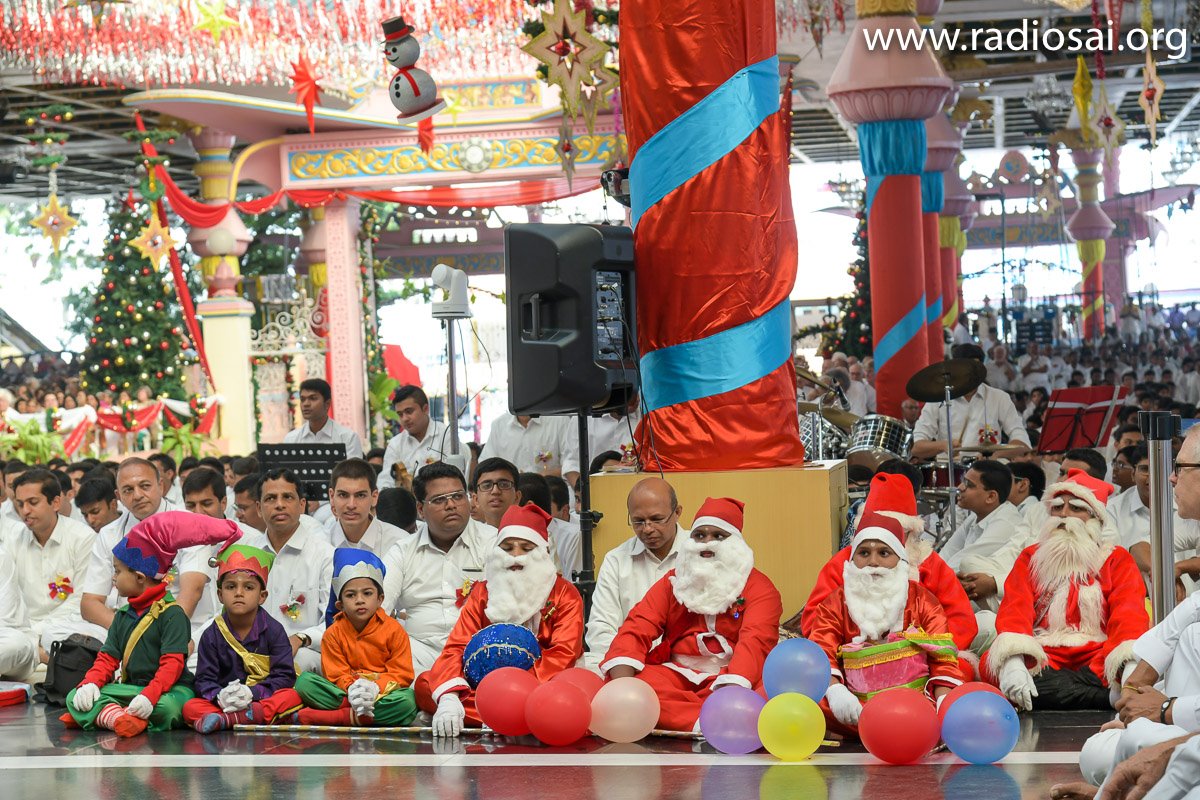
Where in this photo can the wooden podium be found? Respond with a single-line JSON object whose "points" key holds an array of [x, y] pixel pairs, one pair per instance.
{"points": [[794, 516]]}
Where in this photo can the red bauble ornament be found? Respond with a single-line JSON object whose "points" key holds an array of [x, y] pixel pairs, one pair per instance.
{"points": [[158, 304], [853, 315], [158, 375], [96, 318], [110, 286], [862, 340], [129, 308], [93, 340], [127, 341], [104, 363], [860, 302], [145, 270], [163, 345]]}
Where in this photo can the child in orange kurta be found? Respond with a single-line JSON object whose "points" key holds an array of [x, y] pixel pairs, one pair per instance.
{"points": [[365, 654]]}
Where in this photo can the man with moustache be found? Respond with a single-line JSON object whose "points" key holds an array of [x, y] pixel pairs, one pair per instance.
{"points": [[521, 586], [717, 618], [1074, 604]]}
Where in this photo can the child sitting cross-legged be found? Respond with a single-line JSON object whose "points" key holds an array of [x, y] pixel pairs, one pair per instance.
{"points": [[244, 666], [365, 653], [149, 637]]}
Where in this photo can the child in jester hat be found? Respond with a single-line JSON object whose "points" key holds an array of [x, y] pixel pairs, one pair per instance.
{"points": [[149, 637], [244, 666], [365, 654]]}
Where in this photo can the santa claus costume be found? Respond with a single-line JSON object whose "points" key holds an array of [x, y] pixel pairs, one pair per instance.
{"points": [[881, 630], [521, 590], [1074, 604], [892, 496], [717, 618]]}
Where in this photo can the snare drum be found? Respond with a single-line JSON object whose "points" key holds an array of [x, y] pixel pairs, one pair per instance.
{"points": [[833, 439], [942, 475], [877, 438]]}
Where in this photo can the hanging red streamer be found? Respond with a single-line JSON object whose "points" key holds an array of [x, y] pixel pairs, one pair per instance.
{"points": [[209, 419], [114, 418], [76, 437]]}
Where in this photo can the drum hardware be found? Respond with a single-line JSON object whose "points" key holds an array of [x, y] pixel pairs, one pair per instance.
{"points": [[876, 438], [842, 419], [823, 441]]}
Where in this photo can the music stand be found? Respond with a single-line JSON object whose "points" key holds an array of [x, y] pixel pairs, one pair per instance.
{"points": [[312, 463], [1080, 417]]}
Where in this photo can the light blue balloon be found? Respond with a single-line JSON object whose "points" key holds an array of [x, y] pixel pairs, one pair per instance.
{"points": [[981, 728], [797, 665]]}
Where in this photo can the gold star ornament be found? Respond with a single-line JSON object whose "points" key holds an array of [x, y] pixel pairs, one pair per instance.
{"points": [[1104, 127], [213, 19], [54, 221], [153, 242], [568, 51]]}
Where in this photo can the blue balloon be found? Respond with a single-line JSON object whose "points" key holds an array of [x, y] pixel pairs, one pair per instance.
{"points": [[797, 665], [981, 728], [497, 646]]}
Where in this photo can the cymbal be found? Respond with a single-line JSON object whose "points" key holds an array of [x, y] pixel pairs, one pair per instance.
{"points": [[813, 378], [962, 375], [991, 448], [843, 419]]}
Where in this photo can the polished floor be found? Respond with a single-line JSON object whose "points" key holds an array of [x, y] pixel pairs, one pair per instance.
{"points": [[41, 760]]}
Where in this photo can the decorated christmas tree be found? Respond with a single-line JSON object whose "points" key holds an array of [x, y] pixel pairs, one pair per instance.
{"points": [[849, 331], [136, 335]]}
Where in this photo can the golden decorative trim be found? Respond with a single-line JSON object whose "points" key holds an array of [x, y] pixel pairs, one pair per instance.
{"points": [[885, 8]]}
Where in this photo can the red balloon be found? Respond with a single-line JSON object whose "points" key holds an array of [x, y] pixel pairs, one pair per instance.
{"points": [[898, 726], [959, 691], [500, 700], [558, 713], [584, 679]]}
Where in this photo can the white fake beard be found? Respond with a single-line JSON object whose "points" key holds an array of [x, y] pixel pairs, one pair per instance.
{"points": [[875, 599], [515, 596], [1068, 547], [711, 585]]}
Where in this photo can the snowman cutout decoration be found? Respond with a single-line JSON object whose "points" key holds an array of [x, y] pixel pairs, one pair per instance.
{"points": [[412, 91]]}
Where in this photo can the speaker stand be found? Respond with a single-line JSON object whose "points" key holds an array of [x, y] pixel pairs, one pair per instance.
{"points": [[585, 579]]}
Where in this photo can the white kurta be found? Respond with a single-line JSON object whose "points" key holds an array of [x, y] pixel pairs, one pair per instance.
{"points": [[413, 453], [627, 573], [567, 540], [607, 433], [429, 585], [547, 443], [63, 561], [988, 407], [379, 537], [332, 432], [981, 539], [18, 650]]}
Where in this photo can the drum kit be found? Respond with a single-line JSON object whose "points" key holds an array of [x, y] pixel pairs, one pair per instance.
{"points": [[833, 433]]}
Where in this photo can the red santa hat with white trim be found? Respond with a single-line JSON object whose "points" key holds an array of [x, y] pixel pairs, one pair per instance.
{"points": [[892, 495], [883, 528], [1082, 486], [528, 522], [723, 513]]}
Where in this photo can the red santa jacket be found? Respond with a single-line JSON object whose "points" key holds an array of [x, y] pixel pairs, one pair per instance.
{"points": [[934, 574], [731, 646], [560, 635], [1100, 617], [832, 627]]}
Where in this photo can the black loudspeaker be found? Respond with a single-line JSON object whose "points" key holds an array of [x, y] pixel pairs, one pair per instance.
{"points": [[572, 343]]}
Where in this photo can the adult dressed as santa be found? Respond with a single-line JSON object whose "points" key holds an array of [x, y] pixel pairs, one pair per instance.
{"points": [[521, 587], [880, 629], [893, 496], [716, 615], [1074, 604]]}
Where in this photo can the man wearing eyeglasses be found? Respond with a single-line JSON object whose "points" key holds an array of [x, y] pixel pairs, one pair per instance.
{"points": [[495, 489], [429, 575], [1131, 513], [633, 567]]}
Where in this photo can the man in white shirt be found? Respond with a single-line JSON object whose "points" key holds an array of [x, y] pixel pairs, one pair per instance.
{"points": [[430, 574], [318, 428], [300, 579], [978, 417], [1034, 368], [51, 555], [1187, 384], [545, 445], [630, 569], [18, 650], [1130, 512], [1001, 373], [856, 395], [565, 536], [612, 431], [139, 488], [1028, 485], [495, 489], [352, 498], [423, 440], [11, 470], [245, 499], [858, 375], [962, 332], [172, 489], [97, 503]]}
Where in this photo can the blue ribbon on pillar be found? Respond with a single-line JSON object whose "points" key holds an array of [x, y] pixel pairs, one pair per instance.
{"points": [[892, 147], [933, 198]]}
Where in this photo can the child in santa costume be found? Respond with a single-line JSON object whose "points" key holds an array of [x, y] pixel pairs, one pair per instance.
{"points": [[716, 615], [244, 665], [1074, 604], [880, 629], [893, 496], [521, 587], [365, 653], [149, 637]]}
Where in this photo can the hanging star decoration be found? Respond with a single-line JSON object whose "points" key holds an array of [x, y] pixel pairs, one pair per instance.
{"points": [[213, 19], [154, 241], [1104, 127], [54, 221], [1151, 96], [1047, 198], [567, 152], [598, 95], [306, 89], [1081, 90], [568, 51]]}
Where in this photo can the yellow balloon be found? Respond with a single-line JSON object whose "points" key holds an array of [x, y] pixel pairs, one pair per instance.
{"points": [[791, 726]]}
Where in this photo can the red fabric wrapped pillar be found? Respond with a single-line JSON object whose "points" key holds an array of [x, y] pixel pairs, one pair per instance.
{"points": [[714, 235]]}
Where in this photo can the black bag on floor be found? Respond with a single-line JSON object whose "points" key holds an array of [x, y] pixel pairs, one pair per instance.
{"points": [[70, 659]]}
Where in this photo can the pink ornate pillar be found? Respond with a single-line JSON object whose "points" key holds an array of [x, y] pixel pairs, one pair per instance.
{"points": [[1090, 227], [344, 292]]}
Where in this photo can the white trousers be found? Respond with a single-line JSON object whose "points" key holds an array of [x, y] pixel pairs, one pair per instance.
{"points": [[1103, 751], [18, 654], [308, 660]]}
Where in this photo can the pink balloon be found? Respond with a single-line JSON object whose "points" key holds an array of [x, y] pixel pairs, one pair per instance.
{"points": [[624, 710]]}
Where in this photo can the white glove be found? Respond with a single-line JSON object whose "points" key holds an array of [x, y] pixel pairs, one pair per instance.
{"points": [[85, 697], [235, 697], [140, 707], [1017, 683], [362, 695], [448, 721], [844, 705]]}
